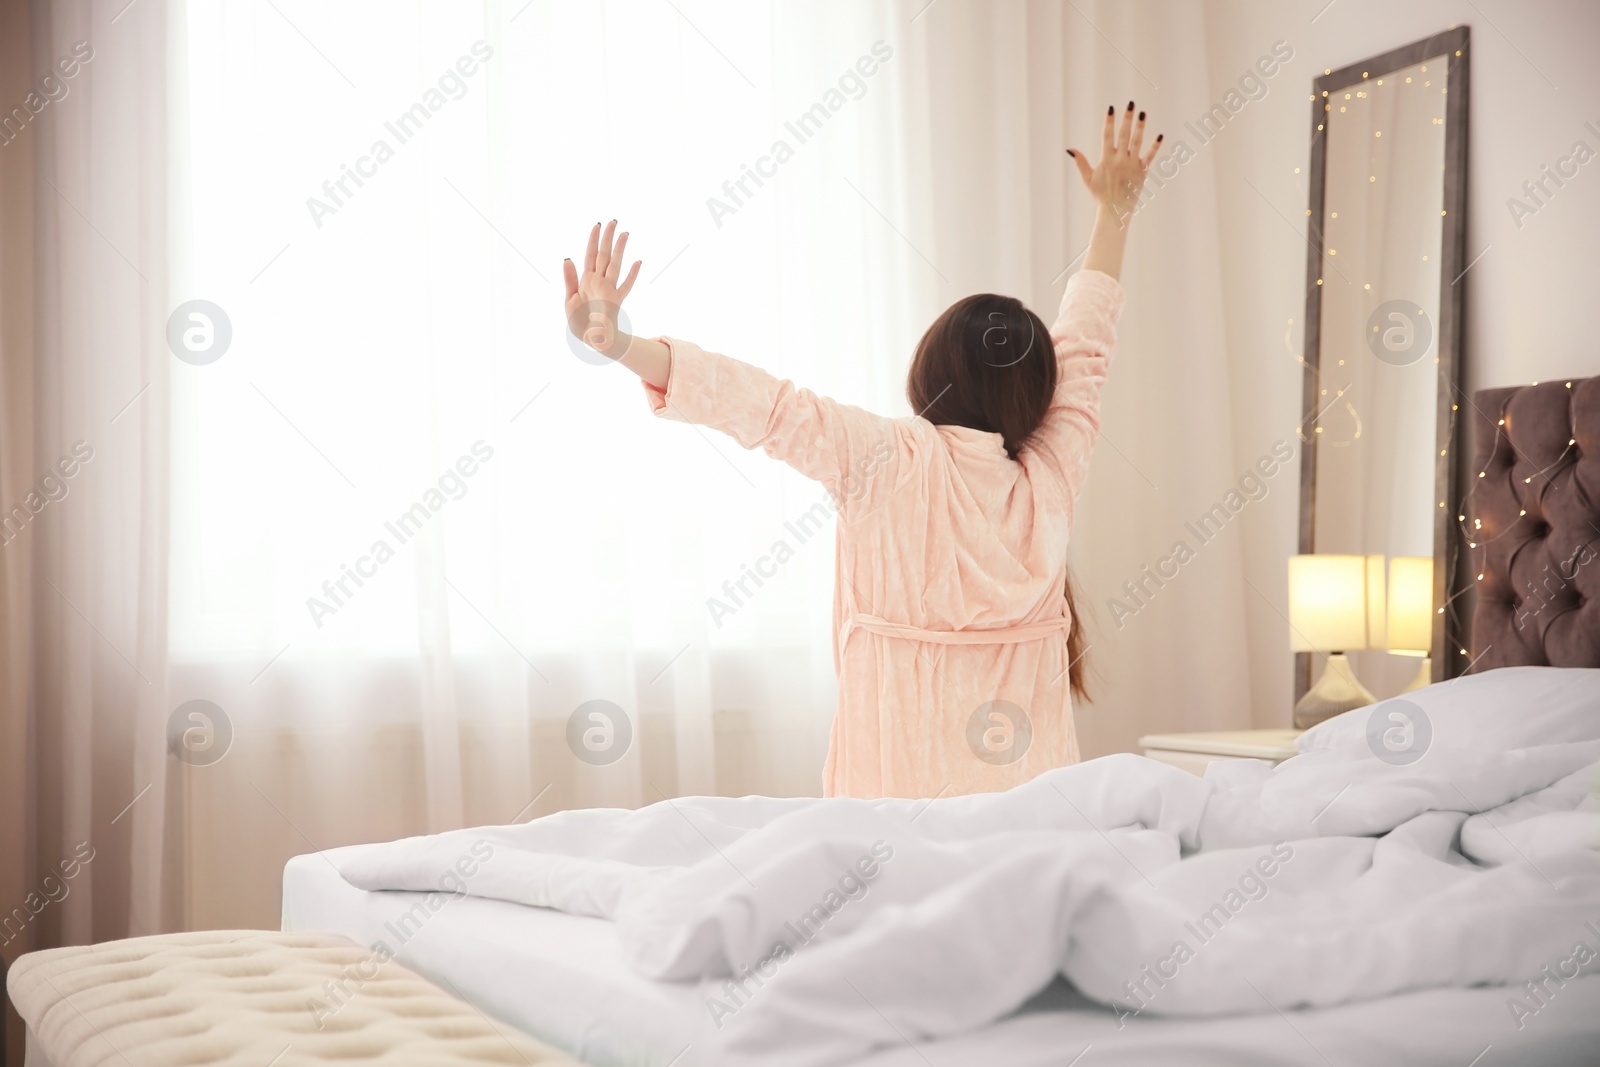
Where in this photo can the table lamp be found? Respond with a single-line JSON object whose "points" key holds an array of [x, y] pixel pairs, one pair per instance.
{"points": [[1410, 622], [1336, 604]]}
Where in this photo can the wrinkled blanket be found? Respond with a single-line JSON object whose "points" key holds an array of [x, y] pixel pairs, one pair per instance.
{"points": [[823, 928]]}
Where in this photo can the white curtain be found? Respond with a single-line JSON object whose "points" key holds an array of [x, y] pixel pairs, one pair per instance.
{"points": [[395, 348]]}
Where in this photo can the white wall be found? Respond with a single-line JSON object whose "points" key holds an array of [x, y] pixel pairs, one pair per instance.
{"points": [[1531, 315]]}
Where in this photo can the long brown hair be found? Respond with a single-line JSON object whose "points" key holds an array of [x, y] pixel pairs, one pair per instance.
{"points": [[988, 364]]}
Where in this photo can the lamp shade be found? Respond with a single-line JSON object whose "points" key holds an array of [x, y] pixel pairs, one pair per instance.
{"points": [[1410, 604], [1336, 603]]}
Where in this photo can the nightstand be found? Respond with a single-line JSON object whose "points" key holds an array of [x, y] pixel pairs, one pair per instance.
{"points": [[1193, 751]]}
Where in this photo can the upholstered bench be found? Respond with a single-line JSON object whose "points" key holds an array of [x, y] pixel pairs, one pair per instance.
{"points": [[248, 998]]}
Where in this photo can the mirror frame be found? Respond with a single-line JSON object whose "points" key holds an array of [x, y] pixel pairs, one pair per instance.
{"points": [[1450, 577]]}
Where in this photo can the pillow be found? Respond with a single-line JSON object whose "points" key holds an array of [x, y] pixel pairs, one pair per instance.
{"points": [[1505, 708]]}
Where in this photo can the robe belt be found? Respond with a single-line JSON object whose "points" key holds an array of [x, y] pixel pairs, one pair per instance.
{"points": [[1006, 635]]}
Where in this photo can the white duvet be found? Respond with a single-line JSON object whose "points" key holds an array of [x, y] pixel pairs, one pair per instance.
{"points": [[819, 930]]}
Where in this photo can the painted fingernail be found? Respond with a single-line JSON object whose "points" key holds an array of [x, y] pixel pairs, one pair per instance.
{"points": [[1111, 109], [1159, 136], [1130, 105], [1071, 153], [1141, 116]]}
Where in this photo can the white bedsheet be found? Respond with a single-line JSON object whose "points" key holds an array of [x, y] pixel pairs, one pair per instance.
{"points": [[563, 979], [821, 931]]}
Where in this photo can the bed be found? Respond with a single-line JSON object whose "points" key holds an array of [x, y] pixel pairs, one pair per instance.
{"points": [[563, 980], [573, 981]]}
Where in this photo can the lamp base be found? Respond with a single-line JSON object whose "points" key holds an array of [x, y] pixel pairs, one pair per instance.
{"points": [[1424, 676], [1336, 692]]}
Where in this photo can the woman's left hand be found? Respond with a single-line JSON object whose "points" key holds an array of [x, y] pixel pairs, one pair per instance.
{"points": [[594, 300]]}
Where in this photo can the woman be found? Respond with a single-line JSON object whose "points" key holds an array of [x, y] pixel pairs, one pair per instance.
{"points": [[953, 621]]}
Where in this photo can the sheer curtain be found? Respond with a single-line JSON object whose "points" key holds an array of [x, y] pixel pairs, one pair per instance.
{"points": [[395, 558], [86, 494], [380, 206]]}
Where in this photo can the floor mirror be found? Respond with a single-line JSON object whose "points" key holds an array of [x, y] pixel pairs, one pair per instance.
{"points": [[1386, 276]]}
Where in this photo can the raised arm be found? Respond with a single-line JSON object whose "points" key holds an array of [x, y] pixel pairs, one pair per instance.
{"points": [[1084, 333], [852, 452], [1115, 183]]}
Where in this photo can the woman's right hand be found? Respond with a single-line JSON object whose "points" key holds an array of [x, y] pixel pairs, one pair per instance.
{"points": [[594, 300], [1116, 181]]}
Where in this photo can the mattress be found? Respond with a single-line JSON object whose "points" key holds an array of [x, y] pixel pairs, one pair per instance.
{"points": [[562, 979]]}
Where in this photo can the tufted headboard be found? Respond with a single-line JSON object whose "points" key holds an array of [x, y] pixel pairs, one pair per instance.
{"points": [[1532, 524]]}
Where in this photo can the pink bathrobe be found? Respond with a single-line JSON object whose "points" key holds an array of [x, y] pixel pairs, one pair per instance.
{"points": [[949, 621]]}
